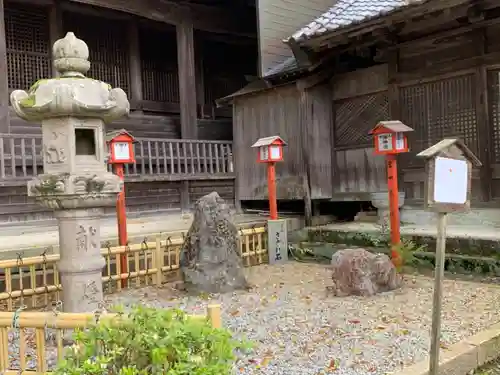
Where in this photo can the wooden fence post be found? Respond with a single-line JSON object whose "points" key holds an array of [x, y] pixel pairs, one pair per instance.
{"points": [[159, 260], [214, 315]]}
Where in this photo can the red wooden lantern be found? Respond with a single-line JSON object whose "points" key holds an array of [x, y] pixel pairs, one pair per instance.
{"points": [[390, 137], [121, 147], [270, 149]]}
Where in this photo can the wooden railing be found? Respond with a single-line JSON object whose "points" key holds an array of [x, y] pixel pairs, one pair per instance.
{"points": [[43, 332], [34, 282], [21, 158]]}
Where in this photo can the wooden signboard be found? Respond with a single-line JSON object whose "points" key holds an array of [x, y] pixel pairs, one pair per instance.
{"points": [[448, 166], [449, 176]]}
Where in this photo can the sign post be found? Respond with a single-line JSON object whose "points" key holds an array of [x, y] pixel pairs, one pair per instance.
{"points": [[390, 140], [448, 167], [121, 152], [270, 151]]}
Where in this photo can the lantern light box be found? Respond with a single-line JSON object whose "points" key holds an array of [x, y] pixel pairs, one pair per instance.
{"points": [[270, 149], [121, 147], [390, 137]]}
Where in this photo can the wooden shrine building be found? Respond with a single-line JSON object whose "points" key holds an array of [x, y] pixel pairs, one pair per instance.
{"points": [[433, 64], [173, 58]]}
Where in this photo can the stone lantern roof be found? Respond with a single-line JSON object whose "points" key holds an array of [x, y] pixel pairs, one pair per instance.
{"points": [[72, 93]]}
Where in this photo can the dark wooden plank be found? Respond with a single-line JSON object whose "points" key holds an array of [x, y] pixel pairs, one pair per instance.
{"points": [[4, 85], [187, 79], [55, 28], [483, 123], [135, 66]]}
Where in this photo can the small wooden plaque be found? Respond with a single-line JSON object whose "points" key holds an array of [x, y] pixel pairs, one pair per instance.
{"points": [[448, 167]]}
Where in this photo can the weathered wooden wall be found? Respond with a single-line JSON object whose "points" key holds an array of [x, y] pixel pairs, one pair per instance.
{"points": [[139, 55], [303, 120], [29, 40], [360, 101], [439, 101]]}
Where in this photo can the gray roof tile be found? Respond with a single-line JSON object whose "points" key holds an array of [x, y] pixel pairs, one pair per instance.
{"points": [[347, 12]]}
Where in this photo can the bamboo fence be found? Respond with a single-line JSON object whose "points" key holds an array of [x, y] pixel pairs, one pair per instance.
{"points": [[34, 282], [31, 329]]}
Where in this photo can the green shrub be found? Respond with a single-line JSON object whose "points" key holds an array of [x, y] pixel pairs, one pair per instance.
{"points": [[151, 341]]}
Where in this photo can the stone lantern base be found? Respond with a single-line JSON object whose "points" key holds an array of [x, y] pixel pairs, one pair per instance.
{"points": [[380, 201], [81, 261]]}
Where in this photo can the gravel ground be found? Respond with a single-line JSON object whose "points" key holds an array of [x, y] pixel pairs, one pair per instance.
{"points": [[492, 368], [299, 329]]}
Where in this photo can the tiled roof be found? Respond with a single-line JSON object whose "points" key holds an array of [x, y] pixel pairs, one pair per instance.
{"points": [[348, 12], [289, 65]]}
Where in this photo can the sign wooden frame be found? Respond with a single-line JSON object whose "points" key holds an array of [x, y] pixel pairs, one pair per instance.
{"points": [[450, 148]]}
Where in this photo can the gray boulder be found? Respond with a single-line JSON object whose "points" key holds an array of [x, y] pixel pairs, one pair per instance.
{"points": [[360, 272], [210, 261]]}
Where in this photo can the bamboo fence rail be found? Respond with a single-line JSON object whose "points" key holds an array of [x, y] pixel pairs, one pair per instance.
{"points": [[34, 282], [37, 324]]}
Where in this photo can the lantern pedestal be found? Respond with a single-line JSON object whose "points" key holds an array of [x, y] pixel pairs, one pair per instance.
{"points": [[81, 263], [381, 202]]}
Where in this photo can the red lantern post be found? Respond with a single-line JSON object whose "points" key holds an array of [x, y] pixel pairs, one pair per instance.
{"points": [[121, 152], [270, 151], [390, 140]]}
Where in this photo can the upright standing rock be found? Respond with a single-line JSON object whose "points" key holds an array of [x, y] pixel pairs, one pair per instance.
{"points": [[210, 260], [75, 182]]}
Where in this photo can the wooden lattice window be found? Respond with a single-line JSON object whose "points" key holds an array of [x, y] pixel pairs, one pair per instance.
{"points": [[223, 75], [28, 44], [494, 104], [355, 117], [160, 79], [441, 109], [108, 47]]}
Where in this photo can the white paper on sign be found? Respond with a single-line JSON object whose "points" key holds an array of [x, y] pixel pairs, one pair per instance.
{"points": [[264, 153], [121, 150], [451, 178], [385, 142], [275, 152], [400, 141]]}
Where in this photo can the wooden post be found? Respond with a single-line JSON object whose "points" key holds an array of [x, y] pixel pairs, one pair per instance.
{"points": [[56, 29], [187, 81], [200, 77], [121, 217], [4, 81], [135, 67], [271, 186], [392, 185], [237, 159], [437, 301], [449, 166]]}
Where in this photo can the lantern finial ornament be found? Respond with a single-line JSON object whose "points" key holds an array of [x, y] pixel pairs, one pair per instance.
{"points": [[71, 56]]}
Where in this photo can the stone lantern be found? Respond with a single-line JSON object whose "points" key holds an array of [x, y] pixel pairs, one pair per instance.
{"points": [[75, 183]]}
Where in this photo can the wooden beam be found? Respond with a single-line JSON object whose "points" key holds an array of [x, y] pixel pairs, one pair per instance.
{"points": [[135, 66], [484, 130], [403, 15], [428, 74], [187, 80], [238, 159], [4, 82], [200, 76], [206, 18]]}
